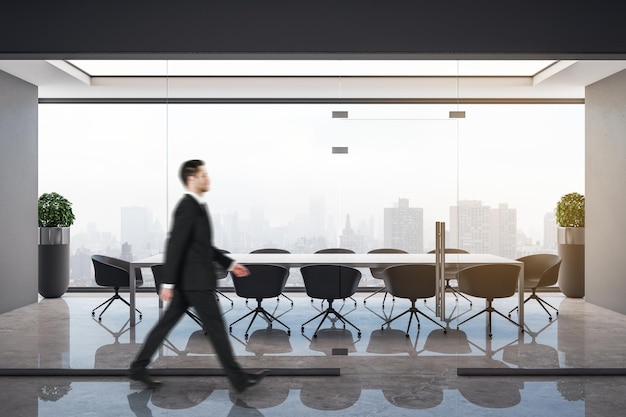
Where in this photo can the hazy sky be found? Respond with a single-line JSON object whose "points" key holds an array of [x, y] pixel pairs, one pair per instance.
{"points": [[274, 157]]}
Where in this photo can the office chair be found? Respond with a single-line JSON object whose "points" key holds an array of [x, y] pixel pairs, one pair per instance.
{"points": [[378, 272], [412, 282], [264, 281], [337, 250], [113, 272], [330, 282], [489, 282], [452, 274], [273, 250], [540, 270]]}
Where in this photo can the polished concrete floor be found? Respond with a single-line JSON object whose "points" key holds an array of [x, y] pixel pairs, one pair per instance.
{"points": [[381, 373]]}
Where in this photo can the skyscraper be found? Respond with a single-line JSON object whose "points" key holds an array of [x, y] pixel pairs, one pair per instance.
{"points": [[404, 227]]}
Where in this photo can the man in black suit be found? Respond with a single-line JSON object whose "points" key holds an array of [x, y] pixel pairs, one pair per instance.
{"points": [[190, 280]]}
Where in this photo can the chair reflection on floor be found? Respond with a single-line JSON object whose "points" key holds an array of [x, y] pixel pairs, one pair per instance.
{"points": [[329, 340], [391, 342], [268, 342], [264, 281], [116, 354], [346, 391], [180, 394], [330, 282], [413, 282], [417, 395], [453, 342]]}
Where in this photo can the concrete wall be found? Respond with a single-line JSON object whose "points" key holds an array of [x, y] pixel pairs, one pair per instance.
{"points": [[605, 188], [18, 193]]}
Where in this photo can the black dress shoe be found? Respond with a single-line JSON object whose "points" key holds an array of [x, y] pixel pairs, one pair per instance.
{"points": [[142, 375], [252, 380]]}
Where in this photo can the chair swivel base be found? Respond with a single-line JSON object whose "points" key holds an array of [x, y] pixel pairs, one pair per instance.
{"points": [[489, 309], [543, 303], [265, 314], [108, 304], [413, 312], [325, 314]]}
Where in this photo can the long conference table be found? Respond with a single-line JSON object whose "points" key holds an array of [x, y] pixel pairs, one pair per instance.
{"points": [[452, 262]]}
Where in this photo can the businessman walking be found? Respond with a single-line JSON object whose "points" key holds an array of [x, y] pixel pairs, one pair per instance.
{"points": [[190, 280]]}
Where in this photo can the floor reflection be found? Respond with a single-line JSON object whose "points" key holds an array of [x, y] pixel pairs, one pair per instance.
{"points": [[384, 372]]}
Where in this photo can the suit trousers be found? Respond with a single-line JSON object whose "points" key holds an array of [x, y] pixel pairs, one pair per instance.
{"points": [[207, 308]]}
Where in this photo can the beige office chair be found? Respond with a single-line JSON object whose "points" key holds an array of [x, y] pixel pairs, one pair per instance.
{"points": [[413, 282], [540, 270], [378, 272], [452, 274], [489, 282]]}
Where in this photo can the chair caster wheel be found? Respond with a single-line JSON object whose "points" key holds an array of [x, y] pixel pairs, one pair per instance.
{"points": [[288, 332], [93, 314], [406, 335], [302, 329], [315, 336], [245, 336], [230, 329], [140, 317], [99, 318], [358, 335]]}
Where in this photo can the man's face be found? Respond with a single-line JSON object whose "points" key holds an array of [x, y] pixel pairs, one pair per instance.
{"points": [[200, 183]]}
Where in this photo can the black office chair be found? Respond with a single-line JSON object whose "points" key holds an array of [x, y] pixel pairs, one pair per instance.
{"points": [[113, 272], [274, 250], [330, 282], [337, 250], [221, 273], [157, 272], [413, 282], [378, 272], [264, 281], [540, 270]]}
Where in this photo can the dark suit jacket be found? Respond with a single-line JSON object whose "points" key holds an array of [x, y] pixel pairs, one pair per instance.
{"points": [[190, 253]]}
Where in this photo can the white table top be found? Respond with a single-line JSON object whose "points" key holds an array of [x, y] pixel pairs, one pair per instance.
{"points": [[365, 260]]}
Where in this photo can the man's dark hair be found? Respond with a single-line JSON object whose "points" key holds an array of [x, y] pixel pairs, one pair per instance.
{"points": [[189, 168]]}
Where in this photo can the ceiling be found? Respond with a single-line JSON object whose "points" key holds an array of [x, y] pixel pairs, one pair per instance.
{"points": [[343, 80]]}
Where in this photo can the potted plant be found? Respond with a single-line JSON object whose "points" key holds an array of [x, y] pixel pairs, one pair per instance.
{"points": [[570, 219], [55, 217]]}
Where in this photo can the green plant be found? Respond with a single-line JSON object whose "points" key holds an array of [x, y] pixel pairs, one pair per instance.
{"points": [[54, 211], [570, 210]]}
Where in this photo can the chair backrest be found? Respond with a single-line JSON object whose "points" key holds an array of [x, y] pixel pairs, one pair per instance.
{"points": [[157, 273], [411, 281], [451, 250], [330, 282], [270, 250], [489, 281], [378, 272], [113, 272], [273, 250], [541, 269], [264, 281], [335, 250]]}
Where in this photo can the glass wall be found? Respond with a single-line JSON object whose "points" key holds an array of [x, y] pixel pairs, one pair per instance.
{"points": [[493, 177]]}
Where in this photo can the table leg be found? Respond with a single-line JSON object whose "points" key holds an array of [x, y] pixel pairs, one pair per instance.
{"points": [[520, 293], [132, 287]]}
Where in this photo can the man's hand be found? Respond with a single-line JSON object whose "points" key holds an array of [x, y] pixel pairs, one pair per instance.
{"points": [[166, 294], [240, 270]]}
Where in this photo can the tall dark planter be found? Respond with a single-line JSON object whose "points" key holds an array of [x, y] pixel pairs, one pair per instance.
{"points": [[571, 241], [54, 261]]}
